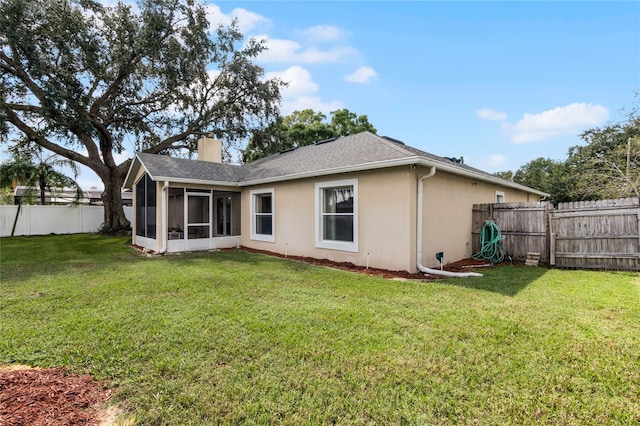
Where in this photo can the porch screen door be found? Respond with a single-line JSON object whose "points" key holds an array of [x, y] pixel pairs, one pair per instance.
{"points": [[198, 217]]}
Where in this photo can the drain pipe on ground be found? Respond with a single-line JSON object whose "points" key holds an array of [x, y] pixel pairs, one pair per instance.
{"points": [[165, 225], [422, 268]]}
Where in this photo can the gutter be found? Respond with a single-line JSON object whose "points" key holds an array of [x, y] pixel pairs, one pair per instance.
{"points": [[403, 161], [165, 217], [420, 233]]}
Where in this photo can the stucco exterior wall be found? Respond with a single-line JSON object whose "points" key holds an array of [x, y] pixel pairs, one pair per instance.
{"points": [[448, 203], [387, 216], [386, 212]]}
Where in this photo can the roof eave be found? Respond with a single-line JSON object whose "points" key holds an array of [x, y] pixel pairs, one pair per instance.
{"points": [[195, 181], [479, 176], [128, 180], [404, 161]]}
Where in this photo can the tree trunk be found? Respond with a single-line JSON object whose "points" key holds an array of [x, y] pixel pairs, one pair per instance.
{"points": [[43, 186], [114, 218]]}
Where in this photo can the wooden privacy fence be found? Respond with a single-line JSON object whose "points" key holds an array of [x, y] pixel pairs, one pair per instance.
{"points": [[524, 227], [602, 234]]}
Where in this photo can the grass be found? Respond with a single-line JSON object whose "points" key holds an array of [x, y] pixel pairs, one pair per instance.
{"points": [[235, 337]]}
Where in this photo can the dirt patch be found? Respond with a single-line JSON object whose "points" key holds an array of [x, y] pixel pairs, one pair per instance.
{"points": [[466, 265], [39, 397]]}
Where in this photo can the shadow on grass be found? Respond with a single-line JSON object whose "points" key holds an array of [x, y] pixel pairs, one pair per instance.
{"points": [[507, 280]]}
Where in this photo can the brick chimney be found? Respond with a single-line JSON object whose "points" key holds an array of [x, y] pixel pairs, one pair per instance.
{"points": [[210, 150]]}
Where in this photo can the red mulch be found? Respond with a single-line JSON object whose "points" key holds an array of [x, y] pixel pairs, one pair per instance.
{"points": [[43, 397], [465, 265]]}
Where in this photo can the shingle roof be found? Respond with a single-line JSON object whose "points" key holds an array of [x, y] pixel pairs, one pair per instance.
{"points": [[162, 166], [363, 150]]}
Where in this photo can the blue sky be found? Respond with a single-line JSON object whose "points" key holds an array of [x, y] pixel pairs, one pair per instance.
{"points": [[499, 83]]}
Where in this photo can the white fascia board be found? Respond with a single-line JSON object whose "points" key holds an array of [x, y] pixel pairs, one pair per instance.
{"points": [[195, 181], [171, 179], [129, 176], [480, 176], [405, 161]]}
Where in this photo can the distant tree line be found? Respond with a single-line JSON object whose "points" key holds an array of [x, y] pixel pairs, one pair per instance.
{"points": [[608, 166]]}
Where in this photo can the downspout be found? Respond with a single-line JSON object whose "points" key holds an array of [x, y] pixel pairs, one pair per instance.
{"points": [[165, 233], [422, 268]]}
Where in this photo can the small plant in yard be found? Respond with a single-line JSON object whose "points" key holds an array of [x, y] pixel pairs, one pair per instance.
{"points": [[237, 337]]}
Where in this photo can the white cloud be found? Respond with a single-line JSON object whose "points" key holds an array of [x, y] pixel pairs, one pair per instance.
{"points": [[280, 50], [300, 82], [247, 21], [300, 93], [320, 33], [361, 75], [565, 120], [491, 115]]}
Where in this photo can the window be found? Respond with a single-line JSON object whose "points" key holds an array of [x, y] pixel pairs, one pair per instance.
{"points": [[337, 215], [499, 197], [262, 216], [146, 207]]}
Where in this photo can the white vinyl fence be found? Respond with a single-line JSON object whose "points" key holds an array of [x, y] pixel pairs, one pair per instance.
{"points": [[43, 220]]}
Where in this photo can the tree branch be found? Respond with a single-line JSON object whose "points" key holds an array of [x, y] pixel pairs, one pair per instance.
{"points": [[33, 135], [168, 143], [12, 68]]}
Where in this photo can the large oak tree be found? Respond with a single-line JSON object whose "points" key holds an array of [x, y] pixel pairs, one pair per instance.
{"points": [[87, 81]]}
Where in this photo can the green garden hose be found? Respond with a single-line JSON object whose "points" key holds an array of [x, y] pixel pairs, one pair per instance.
{"points": [[491, 247]]}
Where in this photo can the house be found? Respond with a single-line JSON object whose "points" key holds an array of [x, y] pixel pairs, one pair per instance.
{"points": [[364, 199]]}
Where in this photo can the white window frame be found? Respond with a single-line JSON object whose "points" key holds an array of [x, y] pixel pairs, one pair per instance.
{"points": [[350, 246], [270, 238], [500, 194]]}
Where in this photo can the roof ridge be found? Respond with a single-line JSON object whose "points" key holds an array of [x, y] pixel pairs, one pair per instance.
{"points": [[394, 145]]}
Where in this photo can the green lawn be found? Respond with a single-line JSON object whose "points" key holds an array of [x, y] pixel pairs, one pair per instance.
{"points": [[234, 337]]}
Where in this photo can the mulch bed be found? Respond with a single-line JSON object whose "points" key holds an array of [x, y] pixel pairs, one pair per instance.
{"points": [[465, 265], [43, 397]]}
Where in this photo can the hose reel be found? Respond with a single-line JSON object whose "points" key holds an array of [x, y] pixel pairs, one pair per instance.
{"points": [[491, 246]]}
